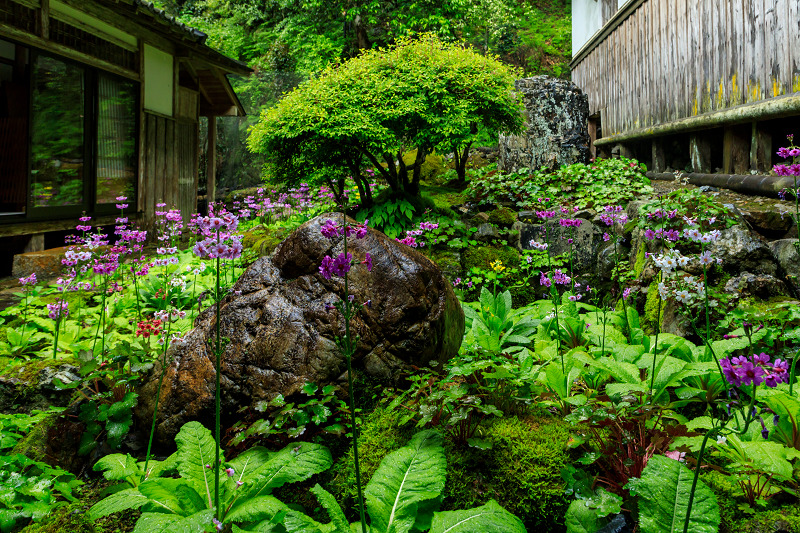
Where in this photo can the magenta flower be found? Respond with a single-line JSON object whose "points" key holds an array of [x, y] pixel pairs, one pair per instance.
{"points": [[544, 280], [367, 261]]}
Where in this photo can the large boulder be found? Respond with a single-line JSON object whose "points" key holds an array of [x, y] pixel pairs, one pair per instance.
{"points": [[556, 126], [281, 332]]}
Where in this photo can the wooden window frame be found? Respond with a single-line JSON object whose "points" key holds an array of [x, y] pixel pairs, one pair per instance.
{"points": [[91, 114]]}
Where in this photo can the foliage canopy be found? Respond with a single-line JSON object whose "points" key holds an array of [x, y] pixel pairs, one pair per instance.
{"points": [[420, 94]]}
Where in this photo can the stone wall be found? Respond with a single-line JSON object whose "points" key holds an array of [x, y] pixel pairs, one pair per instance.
{"points": [[556, 131]]}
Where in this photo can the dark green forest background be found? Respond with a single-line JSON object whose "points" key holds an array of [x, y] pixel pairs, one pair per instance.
{"points": [[289, 41]]}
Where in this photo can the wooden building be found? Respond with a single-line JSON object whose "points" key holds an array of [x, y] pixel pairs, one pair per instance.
{"points": [[696, 85], [101, 99]]}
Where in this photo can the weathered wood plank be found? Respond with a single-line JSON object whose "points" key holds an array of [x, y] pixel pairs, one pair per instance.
{"points": [[793, 28], [736, 150], [150, 169], [692, 69], [161, 159], [736, 50]]}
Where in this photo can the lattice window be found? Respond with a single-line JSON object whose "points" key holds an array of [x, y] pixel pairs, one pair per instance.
{"points": [[18, 16], [85, 42]]}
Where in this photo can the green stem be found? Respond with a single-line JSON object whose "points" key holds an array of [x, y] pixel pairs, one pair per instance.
{"points": [[554, 297], [694, 481], [158, 397], [217, 434], [792, 372], [58, 328], [348, 349]]}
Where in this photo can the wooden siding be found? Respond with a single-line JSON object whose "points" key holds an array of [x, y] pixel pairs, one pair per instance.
{"points": [[169, 173], [674, 59]]}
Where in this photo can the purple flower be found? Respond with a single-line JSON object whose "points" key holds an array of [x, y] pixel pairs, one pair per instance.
{"points": [[58, 310], [326, 268], [341, 265], [30, 280], [329, 229], [544, 280], [230, 471], [367, 261]]}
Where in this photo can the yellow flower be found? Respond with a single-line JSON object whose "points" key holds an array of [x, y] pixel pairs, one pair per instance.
{"points": [[497, 266]]}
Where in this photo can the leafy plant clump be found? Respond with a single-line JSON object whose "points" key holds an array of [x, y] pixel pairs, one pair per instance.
{"points": [[600, 183]]}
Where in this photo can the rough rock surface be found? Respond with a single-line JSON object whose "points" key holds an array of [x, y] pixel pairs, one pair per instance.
{"points": [[556, 130], [741, 250], [785, 253], [38, 389], [281, 336], [46, 264], [760, 285], [587, 240]]}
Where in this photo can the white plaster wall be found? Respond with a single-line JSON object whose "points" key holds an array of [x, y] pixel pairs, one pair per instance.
{"points": [[587, 18], [158, 81]]}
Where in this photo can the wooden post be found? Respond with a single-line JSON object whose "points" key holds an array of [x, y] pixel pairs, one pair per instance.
{"points": [[44, 20], [211, 161], [592, 126], [658, 162], [760, 150], [700, 153], [735, 152], [625, 151]]}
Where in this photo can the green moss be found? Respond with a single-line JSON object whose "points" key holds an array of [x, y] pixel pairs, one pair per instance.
{"points": [[447, 260], [503, 217], [522, 471], [28, 374], [240, 194], [34, 444], [784, 519], [379, 436], [650, 320], [73, 517], [482, 256], [264, 239], [638, 266]]}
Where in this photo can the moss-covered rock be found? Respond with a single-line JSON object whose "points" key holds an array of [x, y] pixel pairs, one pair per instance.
{"points": [[503, 217], [34, 444], [482, 256], [522, 471], [264, 239], [379, 436], [448, 260], [651, 319]]}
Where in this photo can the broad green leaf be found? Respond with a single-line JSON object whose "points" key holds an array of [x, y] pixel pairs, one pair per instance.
{"points": [[119, 501], [256, 509], [117, 467], [489, 518], [581, 518], [663, 492], [174, 496], [330, 504], [196, 449], [291, 464], [405, 479]]}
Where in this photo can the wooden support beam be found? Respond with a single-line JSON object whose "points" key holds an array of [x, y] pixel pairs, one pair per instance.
{"points": [[211, 161], [44, 20], [592, 126], [760, 149], [700, 153], [735, 151], [658, 162]]}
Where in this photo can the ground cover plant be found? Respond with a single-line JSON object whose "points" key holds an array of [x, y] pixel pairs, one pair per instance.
{"points": [[665, 430]]}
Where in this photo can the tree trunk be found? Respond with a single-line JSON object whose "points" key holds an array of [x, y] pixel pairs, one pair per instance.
{"points": [[413, 189], [461, 162]]}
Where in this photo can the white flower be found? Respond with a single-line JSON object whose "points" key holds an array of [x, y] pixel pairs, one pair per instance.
{"points": [[722, 439], [683, 261], [706, 259], [683, 296]]}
